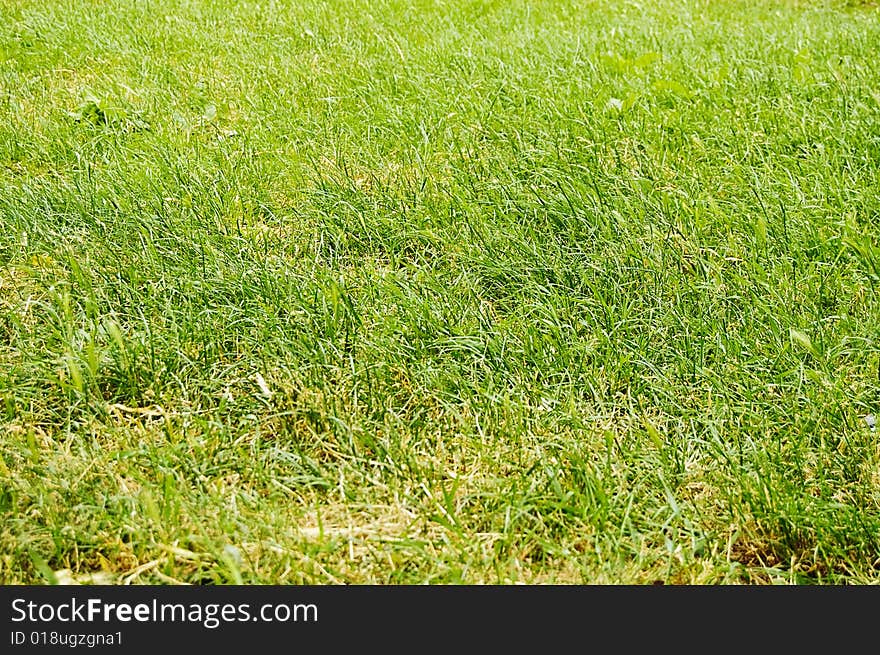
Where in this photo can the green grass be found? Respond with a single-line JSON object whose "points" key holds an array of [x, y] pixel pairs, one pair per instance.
{"points": [[461, 291]]}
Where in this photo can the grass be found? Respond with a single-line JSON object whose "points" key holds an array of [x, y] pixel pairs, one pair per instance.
{"points": [[411, 291]]}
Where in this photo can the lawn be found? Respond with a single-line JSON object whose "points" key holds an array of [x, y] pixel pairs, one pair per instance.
{"points": [[439, 291]]}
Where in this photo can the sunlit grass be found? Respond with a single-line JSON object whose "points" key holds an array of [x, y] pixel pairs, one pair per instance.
{"points": [[447, 292]]}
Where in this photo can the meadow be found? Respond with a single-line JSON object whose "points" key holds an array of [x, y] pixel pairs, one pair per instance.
{"points": [[439, 291]]}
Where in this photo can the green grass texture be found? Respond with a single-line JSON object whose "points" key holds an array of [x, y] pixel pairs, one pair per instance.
{"points": [[439, 291]]}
